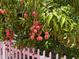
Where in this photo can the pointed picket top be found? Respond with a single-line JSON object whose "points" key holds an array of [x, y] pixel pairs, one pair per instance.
{"points": [[73, 57], [64, 56], [33, 50], [50, 55], [44, 54], [38, 51], [1, 44], [23, 50], [26, 50], [57, 56], [38, 54]]}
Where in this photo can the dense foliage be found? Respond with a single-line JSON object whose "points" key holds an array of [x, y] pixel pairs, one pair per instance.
{"points": [[45, 24]]}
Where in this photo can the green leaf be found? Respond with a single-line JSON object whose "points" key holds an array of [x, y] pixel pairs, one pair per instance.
{"points": [[55, 14], [65, 29], [55, 25], [21, 18], [49, 18], [62, 21]]}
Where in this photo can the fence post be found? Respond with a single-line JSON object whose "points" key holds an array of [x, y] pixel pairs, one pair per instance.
{"points": [[57, 56], [3, 51]]}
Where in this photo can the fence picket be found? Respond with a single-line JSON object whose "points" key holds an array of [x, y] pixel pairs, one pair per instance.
{"points": [[44, 55], [0, 53], [23, 53], [19, 54], [57, 56], [73, 57], [7, 47], [16, 53], [12, 52], [64, 56], [1, 45], [4, 51], [7, 52], [28, 56], [38, 54], [33, 50], [50, 55]]}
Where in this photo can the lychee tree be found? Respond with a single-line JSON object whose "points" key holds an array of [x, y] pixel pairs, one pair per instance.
{"points": [[44, 24]]}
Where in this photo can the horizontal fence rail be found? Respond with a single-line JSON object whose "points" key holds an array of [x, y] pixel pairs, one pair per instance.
{"points": [[9, 52]]}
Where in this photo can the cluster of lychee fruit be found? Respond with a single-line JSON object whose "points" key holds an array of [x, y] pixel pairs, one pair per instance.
{"points": [[3, 11], [9, 34], [26, 15], [36, 33]]}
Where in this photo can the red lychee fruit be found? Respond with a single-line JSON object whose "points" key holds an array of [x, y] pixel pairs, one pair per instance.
{"points": [[46, 37], [39, 38], [34, 13]]}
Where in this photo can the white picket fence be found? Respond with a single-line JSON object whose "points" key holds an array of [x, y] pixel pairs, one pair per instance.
{"points": [[26, 53]]}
